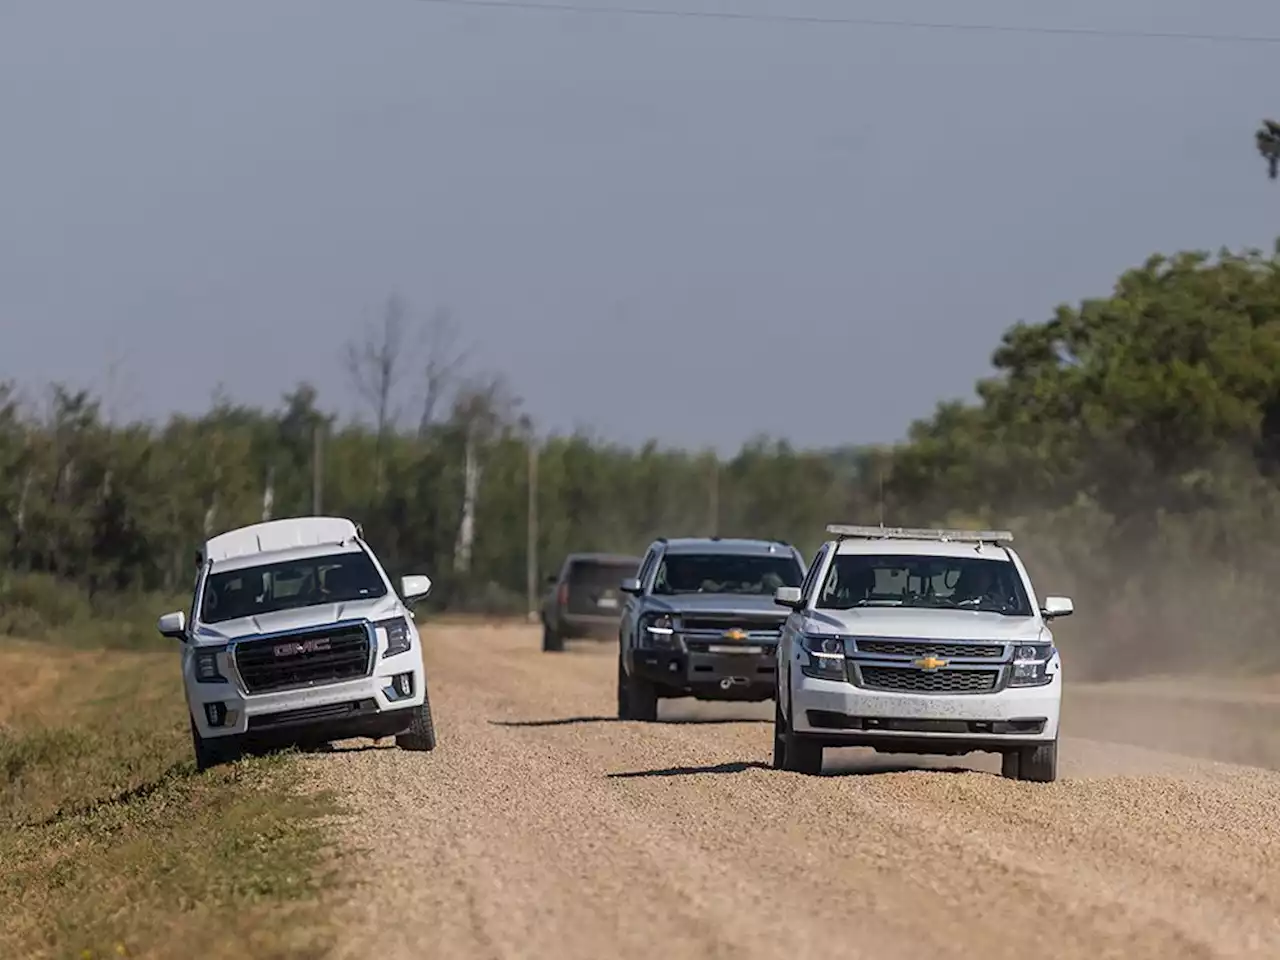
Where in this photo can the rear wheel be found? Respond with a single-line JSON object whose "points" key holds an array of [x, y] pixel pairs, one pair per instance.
{"points": [[213, 752], [421, 734], [552, 642]]}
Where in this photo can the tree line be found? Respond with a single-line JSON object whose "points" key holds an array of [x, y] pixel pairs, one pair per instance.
{"points": [[1132, 442]]}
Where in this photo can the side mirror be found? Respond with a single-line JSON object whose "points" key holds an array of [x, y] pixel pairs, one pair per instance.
{"points": [[787, 597], [173, 626], [1055, 607], [414, 588], [553, 579], [631, 585]]}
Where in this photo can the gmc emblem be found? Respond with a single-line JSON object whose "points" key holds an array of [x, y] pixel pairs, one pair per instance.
{"points": [[299, 647]]}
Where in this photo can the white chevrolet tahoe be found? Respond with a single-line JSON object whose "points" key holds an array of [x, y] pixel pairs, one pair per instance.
{"points": [[919, 641], [297, 637]]}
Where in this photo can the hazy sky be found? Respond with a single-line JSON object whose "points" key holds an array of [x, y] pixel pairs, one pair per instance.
{"points": [[690, 229]]}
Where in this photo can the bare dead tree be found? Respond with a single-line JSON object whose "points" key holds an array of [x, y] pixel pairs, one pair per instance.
{"points": [[484, 407], [376, 364], [445, 360], [1268, 141]]}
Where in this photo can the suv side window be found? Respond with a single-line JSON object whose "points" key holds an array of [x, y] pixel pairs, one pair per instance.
{"points": [[195, 596], [810, 579], [650, 561]]}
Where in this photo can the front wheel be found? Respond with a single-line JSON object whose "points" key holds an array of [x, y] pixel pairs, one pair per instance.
{"points": [[1038, 764], [799, 753], [637, 697], [779, 737], [213, 752], [421, 735]]}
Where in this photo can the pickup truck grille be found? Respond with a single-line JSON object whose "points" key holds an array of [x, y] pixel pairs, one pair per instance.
{"points": [[924, 648], [304, 659], [911, 680]]}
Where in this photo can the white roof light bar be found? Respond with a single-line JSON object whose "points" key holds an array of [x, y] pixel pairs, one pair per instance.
{"points": [[846, 532]]}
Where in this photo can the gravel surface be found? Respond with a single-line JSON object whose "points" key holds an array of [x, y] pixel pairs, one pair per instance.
{"points": [[543, 827]]}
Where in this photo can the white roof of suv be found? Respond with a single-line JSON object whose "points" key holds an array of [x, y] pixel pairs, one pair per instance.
{"points": [[920, 542], [275, 536]]}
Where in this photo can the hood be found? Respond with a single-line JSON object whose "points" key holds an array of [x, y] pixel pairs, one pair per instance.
{"points": [[908, 623], [719, 604], [296, 618]]}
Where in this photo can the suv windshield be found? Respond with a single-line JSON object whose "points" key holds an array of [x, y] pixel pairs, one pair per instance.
{"points": [[249, 591], [726, 573], [964, 583]]}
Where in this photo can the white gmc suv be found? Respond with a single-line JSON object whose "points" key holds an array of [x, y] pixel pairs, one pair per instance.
{"points": [[919, 641], [296, 636]]}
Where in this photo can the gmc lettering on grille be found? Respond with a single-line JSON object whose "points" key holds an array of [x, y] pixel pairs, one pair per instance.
{"points": [[318, 645]]}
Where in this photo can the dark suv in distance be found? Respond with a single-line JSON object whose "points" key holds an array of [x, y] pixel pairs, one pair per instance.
{"points": [[701, 622], [585, 599]]}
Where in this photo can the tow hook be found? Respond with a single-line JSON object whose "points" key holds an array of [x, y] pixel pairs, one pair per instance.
{"points": [[728, 682]]}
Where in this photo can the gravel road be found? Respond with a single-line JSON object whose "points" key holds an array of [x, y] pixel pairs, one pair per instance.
{"points": [[544, 827]]}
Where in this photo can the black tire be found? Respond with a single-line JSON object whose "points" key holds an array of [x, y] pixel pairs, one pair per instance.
{"points": [[642, 699], [1038, 764], [552, 642], [799, 753], [624, 702], [215, 752], [1010, 763], [421, 735], [779, 737], [637, 697]]}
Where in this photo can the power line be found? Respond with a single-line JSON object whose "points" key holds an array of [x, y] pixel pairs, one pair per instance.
{"points": [[560, 6]]}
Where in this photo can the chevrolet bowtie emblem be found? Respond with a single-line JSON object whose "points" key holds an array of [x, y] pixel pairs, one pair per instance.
{"points": [[930, 663], [735, 634]]}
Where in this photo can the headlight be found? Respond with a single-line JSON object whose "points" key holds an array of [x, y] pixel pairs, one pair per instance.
{"points": [[397, 635], [207, 666], [822, 657], [658, 631], [1030, 665]]}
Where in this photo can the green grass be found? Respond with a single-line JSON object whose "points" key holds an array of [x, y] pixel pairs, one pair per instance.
{"points": [[112, 845]]}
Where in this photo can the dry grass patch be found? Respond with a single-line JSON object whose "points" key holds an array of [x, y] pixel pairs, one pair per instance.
{"points": [[112, 845]]}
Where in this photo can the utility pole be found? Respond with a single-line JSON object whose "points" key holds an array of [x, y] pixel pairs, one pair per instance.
{"points": [[531, 542], [317, 469], [714, 504], [269, 493], [880, 482]]}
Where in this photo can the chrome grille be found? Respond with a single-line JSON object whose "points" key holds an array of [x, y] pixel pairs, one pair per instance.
{"points": [[718, 625], [911, 680], [306, 658], [926, 648]]}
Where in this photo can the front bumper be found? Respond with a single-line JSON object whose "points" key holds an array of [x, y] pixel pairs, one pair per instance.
{"points": [[841, 714], [365, 706], [710, 676]]}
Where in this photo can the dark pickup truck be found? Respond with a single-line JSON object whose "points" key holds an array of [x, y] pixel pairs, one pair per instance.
{"points": [[585, 599]]}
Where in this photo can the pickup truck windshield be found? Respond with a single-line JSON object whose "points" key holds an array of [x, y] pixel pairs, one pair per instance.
{"points": [[250, 591], [963, 583], [726, 573]]}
